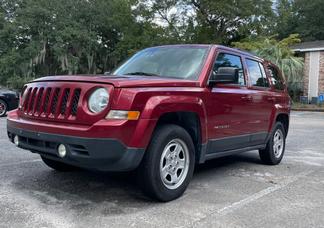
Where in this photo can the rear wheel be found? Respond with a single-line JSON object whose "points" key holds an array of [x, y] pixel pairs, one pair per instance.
{"points": [[275, 149], [168, 164], [59, 166], [3, 108]]}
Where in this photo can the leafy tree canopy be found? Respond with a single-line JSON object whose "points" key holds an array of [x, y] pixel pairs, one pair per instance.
{"points": [[279, 53], [43, 37]]}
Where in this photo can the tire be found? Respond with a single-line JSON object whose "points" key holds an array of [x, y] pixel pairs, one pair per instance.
{"points": [[165, 172], [3, 108], [274, 152], [59, 166]]}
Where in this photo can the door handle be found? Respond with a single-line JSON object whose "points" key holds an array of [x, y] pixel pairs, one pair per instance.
{"points": [[272, 99], [246, 98]]}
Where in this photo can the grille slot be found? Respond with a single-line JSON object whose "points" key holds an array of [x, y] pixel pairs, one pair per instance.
{"points": [[49, 102], [32, 100], [75, 102], [55, 100], [25, 105], [47, 99], [39, 98], [64, 101]]}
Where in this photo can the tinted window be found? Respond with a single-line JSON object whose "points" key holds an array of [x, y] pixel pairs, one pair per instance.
{"points": [[177, 62], [275, 78], [227, 60], [264, 75], [256, 74]]}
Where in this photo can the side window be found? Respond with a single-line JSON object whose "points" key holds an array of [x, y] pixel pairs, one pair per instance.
{"points": [[275, 78], [256, 73], [228, 60], [264, 75]]}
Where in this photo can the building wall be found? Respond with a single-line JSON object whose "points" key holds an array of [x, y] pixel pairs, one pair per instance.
{"points": [[314, 69], [321, 74], [306, 73], [313, 73]]}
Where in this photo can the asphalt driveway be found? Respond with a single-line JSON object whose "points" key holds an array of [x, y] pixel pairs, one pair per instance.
{"points": [[236, 191]]}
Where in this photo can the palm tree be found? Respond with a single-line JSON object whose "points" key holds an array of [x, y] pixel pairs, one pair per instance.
{"points": [[279, 53]]}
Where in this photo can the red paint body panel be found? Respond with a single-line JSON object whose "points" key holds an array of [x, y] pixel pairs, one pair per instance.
{"points": [[223, 110]]}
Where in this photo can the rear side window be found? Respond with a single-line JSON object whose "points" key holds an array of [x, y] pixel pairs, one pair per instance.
{"points": [[275, 78], [228, 60], [256, 73]]}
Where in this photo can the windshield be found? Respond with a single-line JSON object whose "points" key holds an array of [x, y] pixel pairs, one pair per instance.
{"points": [[177, 62]]}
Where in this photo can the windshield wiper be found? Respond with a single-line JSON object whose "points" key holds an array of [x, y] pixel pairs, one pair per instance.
{"points": [[142, 73]]}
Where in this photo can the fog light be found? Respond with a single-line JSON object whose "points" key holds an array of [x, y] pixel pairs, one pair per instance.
{"points": [[61, 150], [16, 140]]}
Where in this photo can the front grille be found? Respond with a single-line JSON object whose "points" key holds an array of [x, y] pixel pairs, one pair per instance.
{"points": [[51, 102]]}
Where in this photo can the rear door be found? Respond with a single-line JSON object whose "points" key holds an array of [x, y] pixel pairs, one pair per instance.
{"points": [[261, 103], [227, 107]]}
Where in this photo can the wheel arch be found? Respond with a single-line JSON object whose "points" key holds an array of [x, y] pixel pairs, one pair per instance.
{"points": [[186, 111], [284, 119], [190, 121]]}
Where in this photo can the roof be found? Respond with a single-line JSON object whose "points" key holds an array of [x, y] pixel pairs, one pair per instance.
{"points": [[238, 51], [309, 46]]}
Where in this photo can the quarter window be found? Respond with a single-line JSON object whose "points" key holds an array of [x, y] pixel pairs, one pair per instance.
{"points": [[275, 78], [227, 60], [257, 74]]}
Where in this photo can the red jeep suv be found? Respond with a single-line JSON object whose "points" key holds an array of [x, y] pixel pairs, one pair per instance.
{"points": [[161, 112]]}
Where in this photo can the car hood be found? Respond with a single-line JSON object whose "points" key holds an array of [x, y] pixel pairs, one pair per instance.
{"points": [[7, 92], [124, 81]]}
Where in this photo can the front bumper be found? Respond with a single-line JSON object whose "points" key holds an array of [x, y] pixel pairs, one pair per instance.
{"points": [[103, 154]]}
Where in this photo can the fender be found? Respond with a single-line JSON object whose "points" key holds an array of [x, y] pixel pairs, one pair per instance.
{"points": [[156, 106], [276, 111]]}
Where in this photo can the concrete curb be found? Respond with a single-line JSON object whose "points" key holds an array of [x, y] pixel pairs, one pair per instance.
{"points": [[308, 109]]}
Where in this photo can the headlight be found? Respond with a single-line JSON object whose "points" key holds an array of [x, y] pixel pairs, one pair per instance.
{"points": [[98, 100]]}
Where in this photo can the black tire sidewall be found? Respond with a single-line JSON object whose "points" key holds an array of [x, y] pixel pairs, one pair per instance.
{"points": [[161, 138], [274, 160], [6, 108]]}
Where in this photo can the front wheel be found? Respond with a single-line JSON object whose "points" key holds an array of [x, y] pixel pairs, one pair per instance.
{"points": [[275, 149], [168, 164]]}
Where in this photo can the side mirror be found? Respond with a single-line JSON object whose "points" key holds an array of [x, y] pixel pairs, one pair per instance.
{"points": [[107, 73], [224, 75]]}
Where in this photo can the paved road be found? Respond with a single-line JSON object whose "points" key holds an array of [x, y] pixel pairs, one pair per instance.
{"points": [[237, 191]]}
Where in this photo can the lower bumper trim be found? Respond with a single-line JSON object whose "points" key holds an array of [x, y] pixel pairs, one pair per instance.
{"points": [[89, 153]]}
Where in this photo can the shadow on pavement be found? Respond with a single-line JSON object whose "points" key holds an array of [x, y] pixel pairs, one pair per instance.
{"points": [[116, 193]]}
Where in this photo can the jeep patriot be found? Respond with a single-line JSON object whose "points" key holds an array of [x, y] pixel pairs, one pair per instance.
{"points": [[161, 112]]}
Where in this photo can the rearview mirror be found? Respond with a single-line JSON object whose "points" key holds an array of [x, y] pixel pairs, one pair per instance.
{"points": [[224, 75]]}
